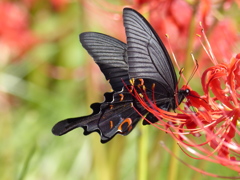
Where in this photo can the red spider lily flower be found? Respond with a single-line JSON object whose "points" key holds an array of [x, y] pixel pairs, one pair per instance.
{"points": [[15, 35], [214, 115], [223, 81], [220, 121]]}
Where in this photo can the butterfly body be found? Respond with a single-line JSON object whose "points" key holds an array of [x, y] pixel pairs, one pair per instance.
{"points": [[143, 64]]}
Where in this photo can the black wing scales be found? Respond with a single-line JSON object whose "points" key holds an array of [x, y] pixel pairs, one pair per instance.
{"points": [[110, 55], [147, 56], [108, 118]]}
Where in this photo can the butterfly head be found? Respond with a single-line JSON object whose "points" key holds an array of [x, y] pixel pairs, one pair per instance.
{"points": [[183, 92]]}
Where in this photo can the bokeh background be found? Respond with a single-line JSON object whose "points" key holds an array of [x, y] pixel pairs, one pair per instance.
{"points": [[47, 76]]}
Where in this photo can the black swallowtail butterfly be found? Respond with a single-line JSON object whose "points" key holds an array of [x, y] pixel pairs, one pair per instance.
{"points": [[145, 59]]}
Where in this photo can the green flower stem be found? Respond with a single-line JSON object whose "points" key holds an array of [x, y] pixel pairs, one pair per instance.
{"points": [[143, 154], [174, 163], [24, 170]]}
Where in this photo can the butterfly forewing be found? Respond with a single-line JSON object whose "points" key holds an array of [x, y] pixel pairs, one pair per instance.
{"points": [[147, 56], [110, 55]]}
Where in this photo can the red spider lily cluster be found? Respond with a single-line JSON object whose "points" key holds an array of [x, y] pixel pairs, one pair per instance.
{"points": [[207, 127]]}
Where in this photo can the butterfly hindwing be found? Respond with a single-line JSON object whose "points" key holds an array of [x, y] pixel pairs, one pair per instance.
{"points": [[108, 118]]}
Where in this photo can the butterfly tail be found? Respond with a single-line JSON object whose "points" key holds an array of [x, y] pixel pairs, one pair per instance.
{"points": [[67, 125]]}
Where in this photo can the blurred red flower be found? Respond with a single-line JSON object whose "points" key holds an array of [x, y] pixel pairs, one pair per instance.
{"points": [[59, 5], [172, 17], [15, 34], [179, 19], [223, 38]]}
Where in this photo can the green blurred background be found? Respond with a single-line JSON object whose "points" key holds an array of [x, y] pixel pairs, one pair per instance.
{"points": [[53, 78]]}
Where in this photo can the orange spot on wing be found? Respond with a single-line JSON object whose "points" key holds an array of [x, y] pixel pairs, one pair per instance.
{"points": [[111, 124], [128, 121], [121, 97], [141, 82]]}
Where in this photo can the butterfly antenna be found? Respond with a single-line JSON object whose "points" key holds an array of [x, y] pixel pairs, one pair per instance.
{"points": [[174, 57], [194, 70], [180, 75]]}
